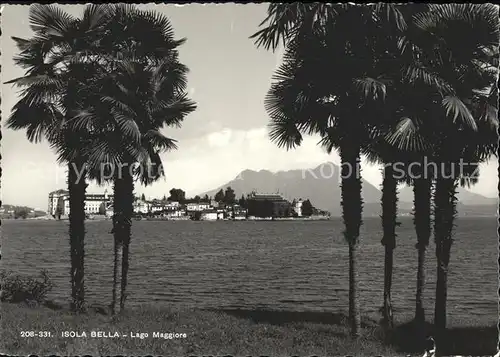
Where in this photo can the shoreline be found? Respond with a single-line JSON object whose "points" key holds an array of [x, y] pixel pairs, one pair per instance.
{"points": [[331, 218], [170, 219]]}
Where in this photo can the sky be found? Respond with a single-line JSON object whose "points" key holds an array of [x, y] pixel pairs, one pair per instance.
{"points": [[229, 78]]}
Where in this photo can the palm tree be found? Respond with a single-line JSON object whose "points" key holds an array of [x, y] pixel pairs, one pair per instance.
{"points": [[149, 95], [327, 72], [375, 154], [398, 158], [52, 83], [146, 36]]}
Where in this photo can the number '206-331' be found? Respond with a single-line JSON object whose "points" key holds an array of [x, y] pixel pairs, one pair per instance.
{"points": [[35, 334]]}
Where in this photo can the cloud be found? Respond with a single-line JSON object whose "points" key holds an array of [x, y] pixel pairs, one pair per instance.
{"points": [[219, 139]]}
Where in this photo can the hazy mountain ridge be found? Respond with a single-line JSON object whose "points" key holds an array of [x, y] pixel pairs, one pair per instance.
{"points": [[321, 185]]}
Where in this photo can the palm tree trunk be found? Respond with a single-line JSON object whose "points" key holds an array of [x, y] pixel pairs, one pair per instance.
{"points": [[117, 252], [389, 222], [445, 213], [128, 209], [77, 187], [117, 244], [422, 220], [352, 206]]}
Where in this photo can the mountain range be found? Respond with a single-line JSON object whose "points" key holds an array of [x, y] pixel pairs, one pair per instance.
{"points": [[321, 185]]}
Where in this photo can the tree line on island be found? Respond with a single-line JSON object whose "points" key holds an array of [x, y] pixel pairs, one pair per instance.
{"points": [[414, 83]]}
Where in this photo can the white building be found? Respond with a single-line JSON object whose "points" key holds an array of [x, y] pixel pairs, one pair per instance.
{"points": [[198, 206], [175, 213], [54, 197], [172, 205], [298, 207], [173, 209], [93, 202], [209, 215], [156, 207], [141, 206]]}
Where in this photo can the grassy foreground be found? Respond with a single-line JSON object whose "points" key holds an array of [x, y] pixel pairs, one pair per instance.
{"points": [[208, 333], [236, 333]]}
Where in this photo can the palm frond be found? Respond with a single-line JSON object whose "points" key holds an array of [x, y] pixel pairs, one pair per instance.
{"points": [[95, 17], [172, 112], [392, 14], [159, 141], [38, 120], [127, 125], [50, 20], [119, 105], [371, 88], [406, 137], [455, 106], [283, 132], [151, 169]]}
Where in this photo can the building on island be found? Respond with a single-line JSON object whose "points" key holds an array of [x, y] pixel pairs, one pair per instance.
{"points": [[155, 207], [238, 212], [141, 206], [298, 207], [158, 208], [198, 207], [209, 215], [268, 205], [174, 209]]}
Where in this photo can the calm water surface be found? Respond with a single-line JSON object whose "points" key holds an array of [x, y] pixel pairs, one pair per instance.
{"points": [[274, 265]]}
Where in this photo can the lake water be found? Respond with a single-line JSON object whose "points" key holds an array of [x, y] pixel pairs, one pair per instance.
{"points": [[296, 265]]}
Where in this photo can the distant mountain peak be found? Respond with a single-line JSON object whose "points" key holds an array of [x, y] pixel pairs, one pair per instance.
{"points": [[313, 183]]}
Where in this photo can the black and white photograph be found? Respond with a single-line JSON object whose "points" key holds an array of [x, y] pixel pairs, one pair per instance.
{"points": [[249, 179]]}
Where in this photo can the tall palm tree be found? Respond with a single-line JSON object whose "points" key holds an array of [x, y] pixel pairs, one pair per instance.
{"points": [[389, 224], [132, 35], [149, 95], [46, 105], [327, 71], [398, 114]]}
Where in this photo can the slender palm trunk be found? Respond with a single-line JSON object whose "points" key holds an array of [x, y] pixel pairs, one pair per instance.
{"points": [[389, 223], [77, 187], [117, 252], [117, 244], [128, 209], [445, 213], [422, 220], [352, 206]]}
